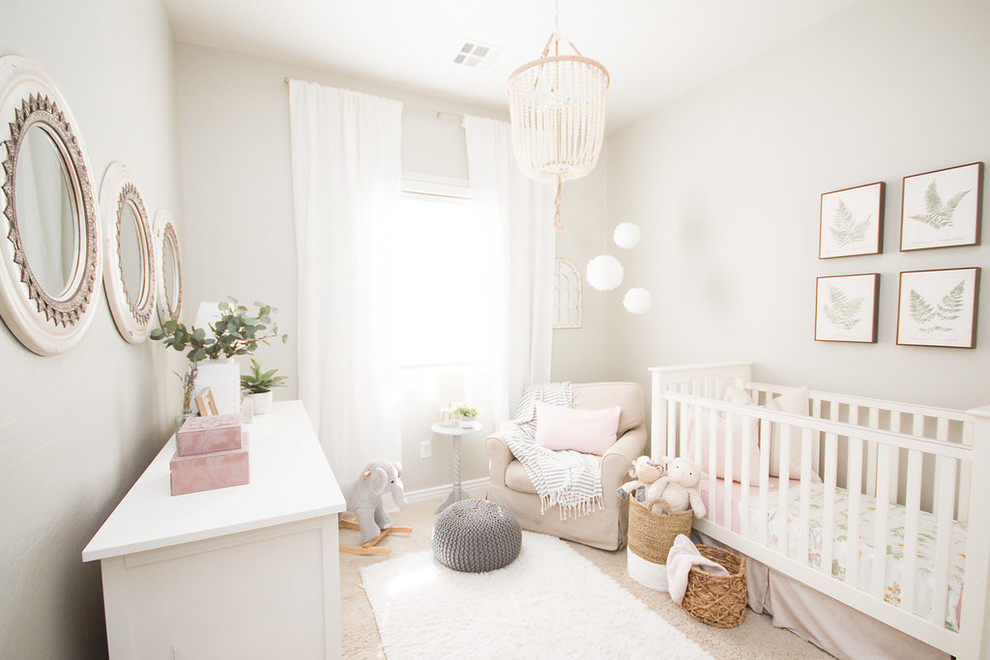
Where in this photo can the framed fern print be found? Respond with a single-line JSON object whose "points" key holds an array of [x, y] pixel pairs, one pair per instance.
{"points": [[846, 308], [851, 222], [942, 208], [938, 307]]}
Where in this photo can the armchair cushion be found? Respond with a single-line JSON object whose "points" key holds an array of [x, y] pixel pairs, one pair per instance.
{"points": [[628, 396], [517, 479]]}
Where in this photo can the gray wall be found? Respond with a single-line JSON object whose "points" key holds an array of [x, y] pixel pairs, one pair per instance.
{"points": [[726, 184], [240, 240], [76, 430]]}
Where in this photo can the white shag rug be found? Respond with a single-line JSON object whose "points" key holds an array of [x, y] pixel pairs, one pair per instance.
{"points": [[549, 603]]}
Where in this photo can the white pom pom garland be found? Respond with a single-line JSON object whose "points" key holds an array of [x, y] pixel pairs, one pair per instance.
{"points": [[637, 301], [604, 273], [627, 235]]}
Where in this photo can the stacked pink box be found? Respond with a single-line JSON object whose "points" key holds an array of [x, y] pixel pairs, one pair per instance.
{"points": [[210, 453]]}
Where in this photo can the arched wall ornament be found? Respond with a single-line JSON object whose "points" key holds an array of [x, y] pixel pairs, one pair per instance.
{"points": [[131, 295], [46, 321], [567, 295], [168, 269]]}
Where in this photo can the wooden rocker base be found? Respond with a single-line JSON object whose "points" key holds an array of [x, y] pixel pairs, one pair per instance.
{"points": [[369, 547]]}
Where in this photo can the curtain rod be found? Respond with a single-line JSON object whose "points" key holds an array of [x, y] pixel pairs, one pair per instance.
{"points": [[434, 111]]}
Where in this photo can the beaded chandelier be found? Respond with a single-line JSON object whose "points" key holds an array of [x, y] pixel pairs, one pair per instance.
{"points": [[557, 111]]}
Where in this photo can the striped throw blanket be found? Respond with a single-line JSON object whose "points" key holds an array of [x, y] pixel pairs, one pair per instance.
{"points": [[568, 479]]}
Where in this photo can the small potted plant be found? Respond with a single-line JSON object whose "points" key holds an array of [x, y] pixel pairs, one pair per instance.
{"points": [[211, 350], [257, 386], [467, 415]]}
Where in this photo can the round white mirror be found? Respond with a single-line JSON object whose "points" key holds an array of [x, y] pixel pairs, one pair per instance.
{"points": [[129, 266], [49, 230], [169, 268], [132, 262], [170, 271], [46, 211]]}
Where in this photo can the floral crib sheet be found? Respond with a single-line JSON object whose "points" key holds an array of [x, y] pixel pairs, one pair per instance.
{"points": [[894, 545]]}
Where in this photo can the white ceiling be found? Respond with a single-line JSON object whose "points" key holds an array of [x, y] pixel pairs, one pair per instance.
{"points": [[655, 50]]}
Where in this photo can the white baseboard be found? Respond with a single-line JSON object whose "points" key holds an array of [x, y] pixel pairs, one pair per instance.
{"points": [[437, 492]]}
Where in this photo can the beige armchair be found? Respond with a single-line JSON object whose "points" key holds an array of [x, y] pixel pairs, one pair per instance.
{"points": [[606, 528]]}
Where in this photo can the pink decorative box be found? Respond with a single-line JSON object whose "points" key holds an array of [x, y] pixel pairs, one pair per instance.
{"points": [[219, 469], [201, 435]]}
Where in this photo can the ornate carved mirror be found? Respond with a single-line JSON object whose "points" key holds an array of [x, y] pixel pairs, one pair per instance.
{"points": [[49, 230], [169, 268], [129, 255]]}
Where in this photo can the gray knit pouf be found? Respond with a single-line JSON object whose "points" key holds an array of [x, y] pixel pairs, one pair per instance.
{"points": [[475, 536]]}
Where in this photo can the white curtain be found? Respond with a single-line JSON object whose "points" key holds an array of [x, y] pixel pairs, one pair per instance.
{"points": [[346, 171], [518, 213]]}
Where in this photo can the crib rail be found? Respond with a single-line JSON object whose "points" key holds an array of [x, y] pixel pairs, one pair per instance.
{"points": [[923, 421], [910, 462]]}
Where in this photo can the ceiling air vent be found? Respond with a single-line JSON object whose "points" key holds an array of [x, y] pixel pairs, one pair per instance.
{"points": [[476, 55]]}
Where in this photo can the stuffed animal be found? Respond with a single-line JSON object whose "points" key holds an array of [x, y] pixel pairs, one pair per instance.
{"points": [[645, 473], [679, 487], [364, 496]]}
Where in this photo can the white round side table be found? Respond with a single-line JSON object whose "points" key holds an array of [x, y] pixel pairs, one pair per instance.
{"points": [[455, 432]]}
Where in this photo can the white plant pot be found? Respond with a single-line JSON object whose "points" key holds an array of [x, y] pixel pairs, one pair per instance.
{"points": [[467, 422], [223, 379], [261, 403]]}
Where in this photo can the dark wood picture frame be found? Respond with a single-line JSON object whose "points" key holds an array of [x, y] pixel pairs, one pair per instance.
{"points": [[942, 314], [850, 221], [929, 217], [851, 301]]}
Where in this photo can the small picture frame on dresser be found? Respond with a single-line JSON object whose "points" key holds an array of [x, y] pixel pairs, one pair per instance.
{"points": [[938, 307], [846, 308], [942, 208], [851, 222], [206, 404]]}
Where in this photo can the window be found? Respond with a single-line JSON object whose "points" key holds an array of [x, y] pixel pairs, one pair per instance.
{"points": [[439, 278]]}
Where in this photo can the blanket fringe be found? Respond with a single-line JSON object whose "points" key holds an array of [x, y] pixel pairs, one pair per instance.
{"points": [[568, 509]]}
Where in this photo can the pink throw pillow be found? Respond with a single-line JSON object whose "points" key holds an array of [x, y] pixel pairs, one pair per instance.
{"points": [[586, 431]]}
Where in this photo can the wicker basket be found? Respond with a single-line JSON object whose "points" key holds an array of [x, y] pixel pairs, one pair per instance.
{"points": [[718, 600], [652, 534]]}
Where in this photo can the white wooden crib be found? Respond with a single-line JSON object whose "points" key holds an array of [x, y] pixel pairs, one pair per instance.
{"points": [[915, 476]]}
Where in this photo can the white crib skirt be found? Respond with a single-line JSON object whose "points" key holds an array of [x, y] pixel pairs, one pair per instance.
{"points": [[646, 572], [823, 621]]}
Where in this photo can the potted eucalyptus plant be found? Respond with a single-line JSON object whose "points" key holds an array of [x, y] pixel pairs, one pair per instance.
{"points": [[257, 387], [211, 351]]}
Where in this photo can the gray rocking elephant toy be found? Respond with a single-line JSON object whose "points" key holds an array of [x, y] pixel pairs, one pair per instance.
{"points": [[364, 498]]}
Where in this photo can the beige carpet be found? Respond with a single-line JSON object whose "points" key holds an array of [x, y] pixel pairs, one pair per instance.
{"points": [[755, 638]]}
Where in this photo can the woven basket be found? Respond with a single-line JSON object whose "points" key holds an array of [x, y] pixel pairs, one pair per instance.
{"points": [[652, 534], [718, 600]]}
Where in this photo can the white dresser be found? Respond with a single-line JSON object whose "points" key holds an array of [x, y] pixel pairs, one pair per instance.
{"points": [[245, 572]]}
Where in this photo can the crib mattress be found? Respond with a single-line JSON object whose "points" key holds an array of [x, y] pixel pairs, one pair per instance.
{"points": [[778, 524]]}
